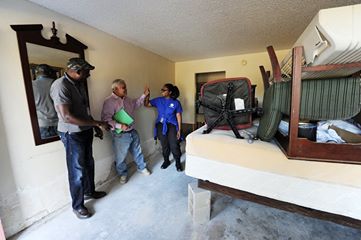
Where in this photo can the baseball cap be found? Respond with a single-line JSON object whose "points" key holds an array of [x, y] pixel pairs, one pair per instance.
{"points": [[79, 64], [44, 69]]}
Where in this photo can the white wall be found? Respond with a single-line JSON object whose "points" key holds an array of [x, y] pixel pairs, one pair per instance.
{"points": [[34, 178]]}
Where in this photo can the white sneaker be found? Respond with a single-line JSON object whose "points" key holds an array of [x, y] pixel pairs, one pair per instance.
{"points": [[123, 179], [145, 171]]}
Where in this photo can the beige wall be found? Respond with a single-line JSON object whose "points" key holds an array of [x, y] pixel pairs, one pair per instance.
{"points": [[235, 66], [33, 179], [28, 173]]}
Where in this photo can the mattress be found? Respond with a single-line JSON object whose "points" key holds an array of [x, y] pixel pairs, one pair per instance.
{"points": [[333, 36], [261, 168]]}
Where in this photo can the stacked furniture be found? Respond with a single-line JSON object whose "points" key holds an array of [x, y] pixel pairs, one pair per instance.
{"points": [[261, 172], [311, 99], [322, 84]]}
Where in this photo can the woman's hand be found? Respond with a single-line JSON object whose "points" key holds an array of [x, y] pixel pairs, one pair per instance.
{"points": [[146, 91], [178, 135]]}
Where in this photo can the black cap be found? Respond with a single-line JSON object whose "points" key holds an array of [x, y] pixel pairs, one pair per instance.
{"points": [[79, 64]]}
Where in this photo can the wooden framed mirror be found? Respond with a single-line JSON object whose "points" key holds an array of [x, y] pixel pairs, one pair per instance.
{"points": [[43, 60]]}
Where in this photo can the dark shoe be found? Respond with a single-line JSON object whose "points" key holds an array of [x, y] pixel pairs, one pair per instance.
{"points": [[165, 164], [179, 167], [82, 213], [95, 195]]}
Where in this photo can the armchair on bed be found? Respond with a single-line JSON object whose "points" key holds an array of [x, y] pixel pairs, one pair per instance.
{"points": [[310, 99]]}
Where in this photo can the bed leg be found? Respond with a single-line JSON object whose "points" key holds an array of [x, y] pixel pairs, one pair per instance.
{"points": [[199, 203]]}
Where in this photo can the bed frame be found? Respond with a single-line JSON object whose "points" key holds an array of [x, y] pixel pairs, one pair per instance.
{"points": [[264, 175], [309, 212]]}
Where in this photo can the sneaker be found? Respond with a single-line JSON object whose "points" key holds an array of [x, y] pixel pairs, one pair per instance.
{"points": [[145, 171], [123, 179]]}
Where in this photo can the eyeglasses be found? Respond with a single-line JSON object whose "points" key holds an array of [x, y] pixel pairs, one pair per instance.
{"points": [[163, 90]]}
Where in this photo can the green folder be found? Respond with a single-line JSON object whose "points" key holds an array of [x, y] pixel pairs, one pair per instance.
{"points": [[122, 117]]}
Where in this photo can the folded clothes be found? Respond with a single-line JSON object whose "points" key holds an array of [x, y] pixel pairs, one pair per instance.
{"points": [[327, 135], [338, 131]]}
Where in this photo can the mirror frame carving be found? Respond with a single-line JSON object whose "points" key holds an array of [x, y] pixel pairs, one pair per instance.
{"points": [[31, 33]]}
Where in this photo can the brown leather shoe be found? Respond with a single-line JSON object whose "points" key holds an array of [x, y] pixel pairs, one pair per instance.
{"points": [[95, 195], [82, 213]]}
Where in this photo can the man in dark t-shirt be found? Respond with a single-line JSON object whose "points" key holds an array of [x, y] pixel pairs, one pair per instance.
{"points": [[75, 128]]}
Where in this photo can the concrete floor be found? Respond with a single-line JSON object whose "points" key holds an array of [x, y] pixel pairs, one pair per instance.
{"points": [[155, 207]]}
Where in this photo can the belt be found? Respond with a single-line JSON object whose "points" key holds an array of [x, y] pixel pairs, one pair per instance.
{"points": [[81, 132]]}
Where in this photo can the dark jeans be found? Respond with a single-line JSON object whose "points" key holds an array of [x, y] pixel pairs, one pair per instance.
{"points": [[169, 142], [46, 132], [80, 163]]}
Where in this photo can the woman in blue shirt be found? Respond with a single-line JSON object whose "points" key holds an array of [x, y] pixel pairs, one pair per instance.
{"points": [[168, 123]]}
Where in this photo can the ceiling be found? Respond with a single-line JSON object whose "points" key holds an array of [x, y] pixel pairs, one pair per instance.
{"points": [[181, 30]]}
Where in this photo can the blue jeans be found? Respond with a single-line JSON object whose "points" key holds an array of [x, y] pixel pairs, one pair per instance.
{"points": [[122, 143], [80, 163]]}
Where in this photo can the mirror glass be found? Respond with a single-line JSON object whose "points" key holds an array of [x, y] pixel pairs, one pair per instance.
{"points": [[44, 60], [46, 65]]}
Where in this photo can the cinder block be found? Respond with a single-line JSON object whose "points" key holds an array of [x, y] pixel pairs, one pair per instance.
{"points": [[199, 203], [201, 215], [201, 200]]}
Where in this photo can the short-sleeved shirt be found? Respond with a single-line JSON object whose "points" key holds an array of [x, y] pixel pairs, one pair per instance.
{"points": [[45, 110], [167, 110], [66, 91]]}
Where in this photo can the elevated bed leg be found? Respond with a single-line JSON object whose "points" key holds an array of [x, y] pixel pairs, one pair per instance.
{"points": [[199, 203]]}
